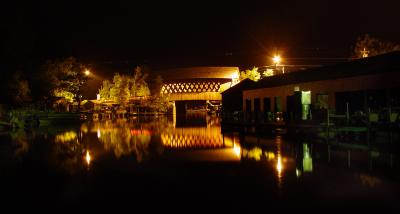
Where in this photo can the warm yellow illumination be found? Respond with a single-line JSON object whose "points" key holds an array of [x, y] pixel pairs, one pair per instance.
{"points": [[66, 137], [270, 155], [193, 137], [87, 157], [254, 153], [236, 149], [98, 133], [277, 59], [235, 75], [279, 166], [364, 53], [87, 72]]}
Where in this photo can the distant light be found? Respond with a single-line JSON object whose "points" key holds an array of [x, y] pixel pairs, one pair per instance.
{"points": [[87, 72], [235, 75], [98, 133], [364, 53], [277, 59], [298, 172], [98, 96], [88, 158], [236, 149], [279, 166]]}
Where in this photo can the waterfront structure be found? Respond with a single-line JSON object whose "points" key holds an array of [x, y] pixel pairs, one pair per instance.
{"points": [[367, 84], [195, 88]]}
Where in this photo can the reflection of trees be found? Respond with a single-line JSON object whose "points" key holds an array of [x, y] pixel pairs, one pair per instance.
{"points": [[370, 181], [66, 153], [20, 141], [123, 139]]}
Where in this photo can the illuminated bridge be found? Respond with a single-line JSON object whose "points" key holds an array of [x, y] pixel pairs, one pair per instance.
{"points": [[195, 89], [191, 88]]}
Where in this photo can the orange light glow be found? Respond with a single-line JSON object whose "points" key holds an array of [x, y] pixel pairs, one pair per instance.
{"points": [[140, 132], [277, 59], [236, 149], [279, 166], [87, 157]]}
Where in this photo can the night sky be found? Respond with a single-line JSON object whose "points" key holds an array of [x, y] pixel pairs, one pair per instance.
{"points": [[164, 34]]}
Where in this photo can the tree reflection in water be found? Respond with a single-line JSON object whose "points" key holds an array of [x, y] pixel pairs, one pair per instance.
{"points": [[125, 138]]}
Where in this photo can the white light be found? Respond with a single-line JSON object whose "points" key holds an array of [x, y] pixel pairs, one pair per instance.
{"points": [[88, 158], [235, 75], [277, 59], [236, 149]]}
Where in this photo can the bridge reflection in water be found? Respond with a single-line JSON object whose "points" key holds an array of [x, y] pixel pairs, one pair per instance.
{"points": [[193, 137], [204, 143]]}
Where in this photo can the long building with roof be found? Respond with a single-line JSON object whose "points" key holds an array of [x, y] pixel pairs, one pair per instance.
{"points": [[366, 84]]}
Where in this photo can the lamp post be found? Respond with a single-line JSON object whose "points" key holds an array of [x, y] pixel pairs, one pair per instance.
{"points": [[82, 80]]}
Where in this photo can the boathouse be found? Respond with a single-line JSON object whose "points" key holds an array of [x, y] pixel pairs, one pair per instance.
{"points": [[368, 84]]}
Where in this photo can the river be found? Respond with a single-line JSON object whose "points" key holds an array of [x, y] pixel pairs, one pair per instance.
{"points": [[187, 162]]}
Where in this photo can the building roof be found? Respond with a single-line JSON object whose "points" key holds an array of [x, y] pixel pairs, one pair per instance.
{"points": [[377, 64], [197, 73], [198, 80], [239, 87]]}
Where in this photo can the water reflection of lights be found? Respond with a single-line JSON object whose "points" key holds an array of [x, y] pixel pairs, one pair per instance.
{"points": [[193, 138], [66, 137], [270, 155], [140, 132], [236, 149], [88, 157], [254, 153], [307, 159], [279, 165]]}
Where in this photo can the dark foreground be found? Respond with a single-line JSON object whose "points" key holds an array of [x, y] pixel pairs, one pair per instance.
{"points": [[153, 165]]}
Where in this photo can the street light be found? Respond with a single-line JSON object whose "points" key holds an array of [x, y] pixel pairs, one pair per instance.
{"points": [[87, 72], [277, 61]]}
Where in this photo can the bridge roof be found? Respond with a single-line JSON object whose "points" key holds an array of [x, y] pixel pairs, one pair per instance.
{"points": [[197, 73], [198, 80]]}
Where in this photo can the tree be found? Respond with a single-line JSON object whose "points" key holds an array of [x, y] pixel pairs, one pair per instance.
{"points": [[139, 86], [367, 45], [252, 74], [20, 91], [269, 72], [63, 78], [119, 91], [104, 91], [161, 101]]}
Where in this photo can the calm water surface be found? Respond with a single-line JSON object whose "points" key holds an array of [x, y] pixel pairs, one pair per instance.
{"points": [[182, 162]]}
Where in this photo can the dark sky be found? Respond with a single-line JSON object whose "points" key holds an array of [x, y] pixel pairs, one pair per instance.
{"points": [[173, 34]]}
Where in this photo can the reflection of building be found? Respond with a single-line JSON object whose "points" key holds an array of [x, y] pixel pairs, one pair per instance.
{"points": [[197, 137]]}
